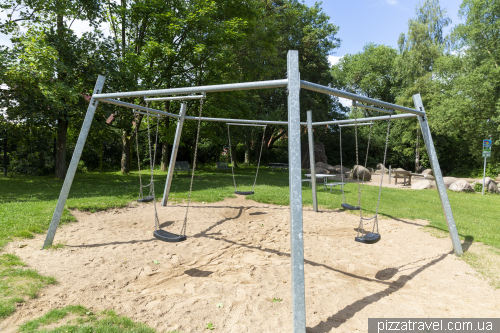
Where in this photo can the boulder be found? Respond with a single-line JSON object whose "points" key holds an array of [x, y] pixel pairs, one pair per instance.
{"points": [[487, 181], [422, 185], [340, 169], [461, 186], [364, 174], [427, 172], [448, 181], [398, 169], [380, 166], [492, 188], [371, 169], [319, 154], [325, 166], [319, 170]]}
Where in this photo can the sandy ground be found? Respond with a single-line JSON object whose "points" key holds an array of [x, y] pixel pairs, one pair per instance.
{"points": [[238, 254]]}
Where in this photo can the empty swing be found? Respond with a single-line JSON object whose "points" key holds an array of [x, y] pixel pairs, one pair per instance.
{"points": [[231, 157], [344, 203], [164, 235], [373, 236], [150, 196]]}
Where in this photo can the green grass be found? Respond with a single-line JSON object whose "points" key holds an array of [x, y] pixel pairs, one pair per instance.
{"points": [[78, 319], [27, 203], [18, 283]]}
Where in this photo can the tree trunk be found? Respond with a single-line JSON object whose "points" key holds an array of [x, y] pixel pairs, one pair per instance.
{"points": [[247, 152], [62, 131], [125, 163], [164, 156]]}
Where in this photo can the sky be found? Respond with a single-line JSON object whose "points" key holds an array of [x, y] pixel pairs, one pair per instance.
{"points": [[376, 21]]}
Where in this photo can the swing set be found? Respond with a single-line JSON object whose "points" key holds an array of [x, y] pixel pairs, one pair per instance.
{"points": [[293, 84]]}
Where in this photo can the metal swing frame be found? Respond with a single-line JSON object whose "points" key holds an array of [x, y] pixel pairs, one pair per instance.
{"points": [[293, 83]]}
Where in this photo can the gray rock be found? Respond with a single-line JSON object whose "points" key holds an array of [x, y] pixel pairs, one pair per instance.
{"points": [[325, 166], [422, 185], [427, 172], [363, 173], [492, 188], [319, 170], [338, 169], [448, 181], [319, 154], [380, 166], [461, 186], [398, 169]]}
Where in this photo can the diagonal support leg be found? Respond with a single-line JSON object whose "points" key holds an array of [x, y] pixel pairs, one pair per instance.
{"points": [[173, 157], [436, 169], [70, 175]]}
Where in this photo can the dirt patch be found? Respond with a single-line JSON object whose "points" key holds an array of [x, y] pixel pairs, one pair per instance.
{"points": [[238, 255]]}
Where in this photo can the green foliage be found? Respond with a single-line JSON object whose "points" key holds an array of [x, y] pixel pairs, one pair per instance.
{"points": [[210, 326], [18, 283]]}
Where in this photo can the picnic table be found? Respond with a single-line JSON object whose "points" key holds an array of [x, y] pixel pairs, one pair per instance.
{"points": [[280, 166], [321, 175], [402, 174]]}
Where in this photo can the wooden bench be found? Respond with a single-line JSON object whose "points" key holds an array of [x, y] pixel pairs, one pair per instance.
{"points": [[223, 166], [404, 175], [182, 166], [332, 185]]}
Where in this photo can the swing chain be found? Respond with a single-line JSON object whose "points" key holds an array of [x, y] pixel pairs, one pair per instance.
{"points": [[138, 159], [375, 225], [184, 225], [231, 157], [258, 164]]}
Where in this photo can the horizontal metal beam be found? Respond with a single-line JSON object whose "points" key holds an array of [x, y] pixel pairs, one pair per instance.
{"points": [[371, 108], [358, 124], [351, 121], [354, 97], [138, 107], [174, 98], [148, 114], [191, 90], [237, 124]]}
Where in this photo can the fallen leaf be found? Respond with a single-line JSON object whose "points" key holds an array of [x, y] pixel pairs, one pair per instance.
{"points": [[220, 305], [22, 245]]}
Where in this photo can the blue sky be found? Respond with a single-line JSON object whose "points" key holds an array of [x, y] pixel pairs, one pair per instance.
{"points": [[378, 21]]}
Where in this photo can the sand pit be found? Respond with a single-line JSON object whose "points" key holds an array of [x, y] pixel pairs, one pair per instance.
{"points": [[237, 254]]}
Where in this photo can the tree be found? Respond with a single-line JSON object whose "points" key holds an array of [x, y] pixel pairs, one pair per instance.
{"points": [[52, 55], [467, 100]]}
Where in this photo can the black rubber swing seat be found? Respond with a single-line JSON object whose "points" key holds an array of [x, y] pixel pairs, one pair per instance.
{"points": [[243, 193], [149, 198], [369, 238], [349, 207], [168, 236]]}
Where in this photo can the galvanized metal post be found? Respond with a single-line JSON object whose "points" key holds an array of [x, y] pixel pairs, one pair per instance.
{"points": [[436, 169], [173, 157], [312, 160], [70, 175], [484, 174], [295, 184]]}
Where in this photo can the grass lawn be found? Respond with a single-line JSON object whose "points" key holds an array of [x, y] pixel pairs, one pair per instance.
{"points": [[78, 319]]}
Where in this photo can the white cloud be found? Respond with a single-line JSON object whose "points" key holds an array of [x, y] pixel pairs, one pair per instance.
{"points": [[333, 59], [392, 2]]}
